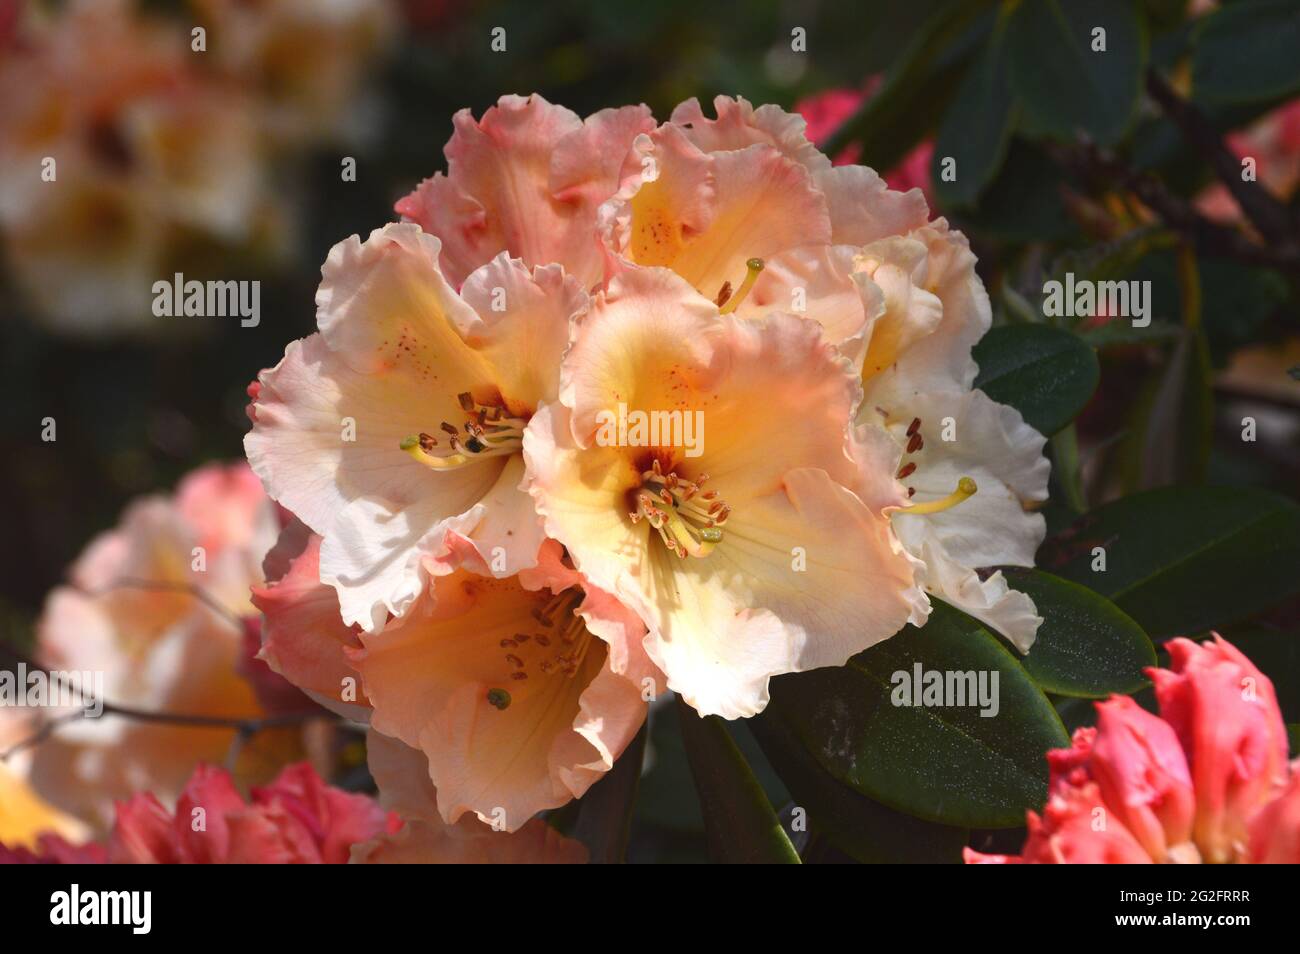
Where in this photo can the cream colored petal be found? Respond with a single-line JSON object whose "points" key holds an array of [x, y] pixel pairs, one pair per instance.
{"points": [[526, 179], [764, 204], [738, 124], [785, 591], [863, 209], [819, 282], [1003, 455], [522, 328], [327, 444], [990, 600], [504, 735]]}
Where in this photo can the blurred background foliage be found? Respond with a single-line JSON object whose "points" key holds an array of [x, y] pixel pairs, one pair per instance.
{"points": [[1109, 166]]}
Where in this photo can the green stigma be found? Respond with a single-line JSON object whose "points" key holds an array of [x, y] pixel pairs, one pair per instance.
{"points": [[498, 698]]}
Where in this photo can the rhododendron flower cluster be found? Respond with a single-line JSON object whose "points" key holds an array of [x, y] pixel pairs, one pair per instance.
{"points": [[125, 147], [160, 605], [485, 576], [1207, 780]]}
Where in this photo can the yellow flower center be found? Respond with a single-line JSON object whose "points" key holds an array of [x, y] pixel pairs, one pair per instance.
{"points": [[488, 432], [689, 519]]}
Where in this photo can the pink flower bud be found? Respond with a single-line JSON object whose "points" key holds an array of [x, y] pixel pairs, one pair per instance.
{"points": [[1226, 716], [1077, 828], [1142, 775], [1275, 829]]}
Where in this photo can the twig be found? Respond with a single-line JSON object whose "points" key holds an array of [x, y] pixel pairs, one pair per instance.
{"points": [[246, 727], [1266, 213], [1091, 162]]}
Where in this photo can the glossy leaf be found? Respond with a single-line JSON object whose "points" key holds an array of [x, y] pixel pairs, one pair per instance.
{"points": [[1045, 373], [977, 126], [1184, 559], [916, 87], [947, 764], [1086, 646], [862, 828], [1246, 52], [1066, 84]]}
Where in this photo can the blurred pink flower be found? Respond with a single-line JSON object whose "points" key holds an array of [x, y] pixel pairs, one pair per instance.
{"points": [[297, 819], [1206, 781], [1273, 141], [156, 605]]}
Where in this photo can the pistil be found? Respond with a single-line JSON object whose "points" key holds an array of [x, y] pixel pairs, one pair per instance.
{"points": [[730, 303], [965, 488]]}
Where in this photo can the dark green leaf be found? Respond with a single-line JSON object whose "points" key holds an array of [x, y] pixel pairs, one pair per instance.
{"points": [[1185, 559], [916, 87], [1045, 373], [861, 828], [1086, 645], [739, 822], [1246, 52], [977, 126], [1064, 84], [946, 764], [605, 811]]}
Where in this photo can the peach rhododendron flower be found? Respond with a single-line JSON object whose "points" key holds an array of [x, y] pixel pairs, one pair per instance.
{"points": [[155, 606], [526, 179], [424, 838], [296, 819], [975, 462], [1205, 781], [747, 560], [438, 387], [520, 692], [896, 294]]}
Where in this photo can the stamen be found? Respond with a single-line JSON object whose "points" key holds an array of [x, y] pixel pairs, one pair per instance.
{"points": [[489, 433], [754, 266], [965, 488], [668, 502]]}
